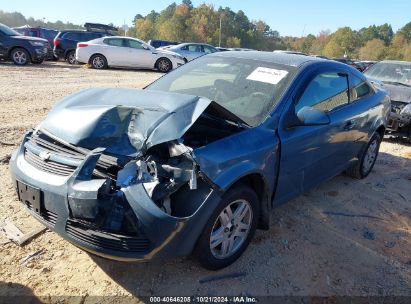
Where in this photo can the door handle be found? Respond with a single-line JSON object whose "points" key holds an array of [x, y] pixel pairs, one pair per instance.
{"points": [[349, 125]]}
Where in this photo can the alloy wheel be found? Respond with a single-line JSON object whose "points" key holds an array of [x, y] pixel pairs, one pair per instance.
{"points": [[98, 62], [72, 58], [20, 57], [370, 156], [231, 228], [164, 65]]}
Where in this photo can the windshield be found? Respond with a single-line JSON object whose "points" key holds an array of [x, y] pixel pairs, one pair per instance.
{"points": [[247, 88], [8, 31], [390, 72]]}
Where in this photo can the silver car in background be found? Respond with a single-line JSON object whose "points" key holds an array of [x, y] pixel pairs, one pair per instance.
{"points": [[191, 51], [122, 51]]}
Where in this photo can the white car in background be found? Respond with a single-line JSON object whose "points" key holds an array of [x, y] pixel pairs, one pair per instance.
{"points": [[190, 51], [122, 51]]}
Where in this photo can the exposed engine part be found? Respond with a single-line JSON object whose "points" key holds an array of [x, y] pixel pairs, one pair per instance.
{"points": [[147, 171], [178, 148]]}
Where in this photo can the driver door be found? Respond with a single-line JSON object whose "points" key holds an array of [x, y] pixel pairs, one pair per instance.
{"points": [[313, 153]]}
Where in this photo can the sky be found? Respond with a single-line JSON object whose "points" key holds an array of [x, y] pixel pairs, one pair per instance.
{"points": [[289, 18]]}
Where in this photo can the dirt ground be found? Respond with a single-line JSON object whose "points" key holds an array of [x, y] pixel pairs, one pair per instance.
{"points": [[345, 237]]}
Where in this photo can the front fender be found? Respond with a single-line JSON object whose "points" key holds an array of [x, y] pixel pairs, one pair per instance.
{"points": [[251, 151]]}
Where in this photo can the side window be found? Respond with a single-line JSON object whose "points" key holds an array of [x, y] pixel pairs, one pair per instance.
{"points": [[195, 48], [360, 88], [88, 36], [72, 36], [325, 92], [134, 44], [208, 50], [96, 35], [114, 42]]}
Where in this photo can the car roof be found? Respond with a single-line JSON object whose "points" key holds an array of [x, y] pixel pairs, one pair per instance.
{"points": [[123, 37], [194, 43], [33, 27], [396, 62], [278, 57]]}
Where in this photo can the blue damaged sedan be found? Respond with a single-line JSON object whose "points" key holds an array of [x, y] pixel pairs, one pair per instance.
{"points": [[194, 163]]}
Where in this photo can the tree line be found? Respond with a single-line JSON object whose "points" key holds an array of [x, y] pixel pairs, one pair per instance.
{"points": [[185, 23]]}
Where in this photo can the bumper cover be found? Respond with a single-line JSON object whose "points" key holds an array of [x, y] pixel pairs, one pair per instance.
{"points": [[49, 197]]}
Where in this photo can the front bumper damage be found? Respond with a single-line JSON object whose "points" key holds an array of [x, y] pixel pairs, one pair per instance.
{"points": [[122, 224], [399, 122]]}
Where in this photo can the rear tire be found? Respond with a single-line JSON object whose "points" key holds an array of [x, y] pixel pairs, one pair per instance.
{"points": [[71, 57], [229, 229], [20, 56], [164, 65], [98, 62], [366, 162]]}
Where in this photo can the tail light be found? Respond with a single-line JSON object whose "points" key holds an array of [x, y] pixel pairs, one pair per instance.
{"points": [[56, 42], [79, 45]]}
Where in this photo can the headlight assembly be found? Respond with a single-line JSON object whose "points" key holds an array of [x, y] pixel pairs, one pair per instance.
{"points": [[178, 57], [36, 43]]}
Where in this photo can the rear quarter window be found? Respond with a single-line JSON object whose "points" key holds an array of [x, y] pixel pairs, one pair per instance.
{"points": [[360, 89]]}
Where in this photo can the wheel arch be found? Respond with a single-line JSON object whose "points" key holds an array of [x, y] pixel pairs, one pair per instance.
{"points": [[18, 47], [94, 54], [66, 52], [259, 185], [163, 57], [381, 131]]}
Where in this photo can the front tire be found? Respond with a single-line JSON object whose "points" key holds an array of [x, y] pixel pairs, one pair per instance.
{"points": [[20, 56], [367, 159], [164, 65], [98, 62], [229, 230]]}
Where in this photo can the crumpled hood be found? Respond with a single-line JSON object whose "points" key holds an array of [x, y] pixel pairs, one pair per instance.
{"points": [[396, 92], [124, 121]]}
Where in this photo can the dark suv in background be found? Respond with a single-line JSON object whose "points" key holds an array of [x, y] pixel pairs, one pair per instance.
{"points": [[21, 49], [40, 32], [160, 43], [65, 42]]}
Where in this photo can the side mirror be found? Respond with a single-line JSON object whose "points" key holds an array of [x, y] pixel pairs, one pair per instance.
{"points": [[309, 116]]}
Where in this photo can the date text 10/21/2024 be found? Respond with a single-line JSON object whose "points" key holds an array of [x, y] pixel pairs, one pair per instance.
{"points": [[205, 299]]}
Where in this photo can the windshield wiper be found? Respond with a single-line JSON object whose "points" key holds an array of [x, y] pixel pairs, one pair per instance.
{"points": [[397, 83]]}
